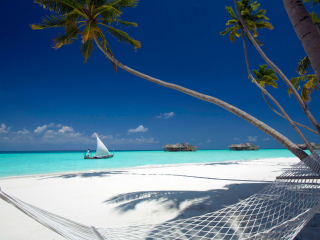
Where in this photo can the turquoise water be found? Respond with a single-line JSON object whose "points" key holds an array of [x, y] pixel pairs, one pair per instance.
{"points": [[29, 163]]}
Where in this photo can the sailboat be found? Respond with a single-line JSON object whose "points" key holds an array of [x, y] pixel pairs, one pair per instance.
{"points": [[102, 151]]}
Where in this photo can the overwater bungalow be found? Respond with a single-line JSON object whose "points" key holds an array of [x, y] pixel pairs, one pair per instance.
{"points": [[241, 146], [178, 147], [304, 146]]}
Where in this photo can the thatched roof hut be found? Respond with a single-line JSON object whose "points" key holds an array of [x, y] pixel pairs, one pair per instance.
{"points": [[179, 145], [167, 145], [185, 144]]}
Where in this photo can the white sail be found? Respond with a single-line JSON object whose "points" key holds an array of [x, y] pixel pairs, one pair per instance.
{"points": [[101, 148]]}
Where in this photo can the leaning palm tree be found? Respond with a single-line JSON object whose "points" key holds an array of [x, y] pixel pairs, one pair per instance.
{"points": [[254, 19], [313, 47], [89, 18]]}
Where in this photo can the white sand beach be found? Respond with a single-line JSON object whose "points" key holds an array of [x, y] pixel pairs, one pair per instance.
{"points": [[124, 197]]}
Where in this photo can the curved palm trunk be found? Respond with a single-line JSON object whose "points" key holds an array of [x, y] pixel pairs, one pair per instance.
{"points": [[308, 33], [286, 116], [296, 123], [281, 74], [265, 128]]}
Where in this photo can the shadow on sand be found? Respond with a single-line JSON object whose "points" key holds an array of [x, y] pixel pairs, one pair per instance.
{"points": [[201, 202]]}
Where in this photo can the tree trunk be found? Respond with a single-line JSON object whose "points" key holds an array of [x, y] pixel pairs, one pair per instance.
{"points": [[296, 123], [286, 116], [265, 128], [281, 74], [307, 31]]}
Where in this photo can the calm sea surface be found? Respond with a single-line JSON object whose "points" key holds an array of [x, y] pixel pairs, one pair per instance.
{"points": [[29, 163]]}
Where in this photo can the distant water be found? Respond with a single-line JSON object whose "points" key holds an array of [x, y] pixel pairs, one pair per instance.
{"points": [[29, 163]]}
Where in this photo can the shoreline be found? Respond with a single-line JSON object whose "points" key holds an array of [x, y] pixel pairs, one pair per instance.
{"points": [[134, 196], [136, 167]]}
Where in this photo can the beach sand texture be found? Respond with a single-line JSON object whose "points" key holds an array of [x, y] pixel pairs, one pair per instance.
{"points": [[135, 196]]}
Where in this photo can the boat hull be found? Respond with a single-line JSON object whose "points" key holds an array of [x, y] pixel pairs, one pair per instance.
{"points": [[109, 156]]}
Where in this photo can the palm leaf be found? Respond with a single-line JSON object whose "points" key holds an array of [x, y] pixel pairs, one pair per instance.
{"points": [[59, 6], [50, 22], [107, 9], [304, 66], [309, 87], [73, 16], [312, 2], [311, 84], [123, 3], [70, 35], [315, 18], [86, 49], [126, 24], [123, 37]]}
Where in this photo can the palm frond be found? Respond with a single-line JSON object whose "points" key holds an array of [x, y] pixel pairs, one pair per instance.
{"points": [[123, 3], [73, 16], [86, 49], [231, 13], [123, 37], [52, 21], [312, 2], [315, 18], [59, 6], [304, 66], [311, 85], [126, 24], [108, 10], [70, 35]]}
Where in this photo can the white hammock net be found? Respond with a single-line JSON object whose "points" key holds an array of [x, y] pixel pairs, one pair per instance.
{"points": [[279, 211]]}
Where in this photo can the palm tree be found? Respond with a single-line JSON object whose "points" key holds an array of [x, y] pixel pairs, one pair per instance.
{"points": [[254, 19], [73, 15], [278, 71], [85, 19]]}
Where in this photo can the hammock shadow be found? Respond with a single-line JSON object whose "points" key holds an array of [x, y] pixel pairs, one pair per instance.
{"points": [[198, 202], [311, 230], [205, 218]]}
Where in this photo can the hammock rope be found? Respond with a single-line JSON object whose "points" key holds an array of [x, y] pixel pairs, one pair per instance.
{"points": [[279, 211]]}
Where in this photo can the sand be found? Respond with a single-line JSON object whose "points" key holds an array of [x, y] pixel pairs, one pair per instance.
{"points": [[124, 197]]}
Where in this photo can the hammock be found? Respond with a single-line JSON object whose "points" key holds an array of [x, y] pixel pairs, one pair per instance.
{"points": [[279, 211]]}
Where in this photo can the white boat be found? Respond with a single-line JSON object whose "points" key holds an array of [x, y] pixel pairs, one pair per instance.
{"points": [[101, 152]]}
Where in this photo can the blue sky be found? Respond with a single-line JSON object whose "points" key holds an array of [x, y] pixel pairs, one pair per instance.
{"points": [[50, 100]]}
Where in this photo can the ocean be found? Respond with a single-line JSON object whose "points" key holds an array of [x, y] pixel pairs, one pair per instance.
{"points": [[31, 163]]}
